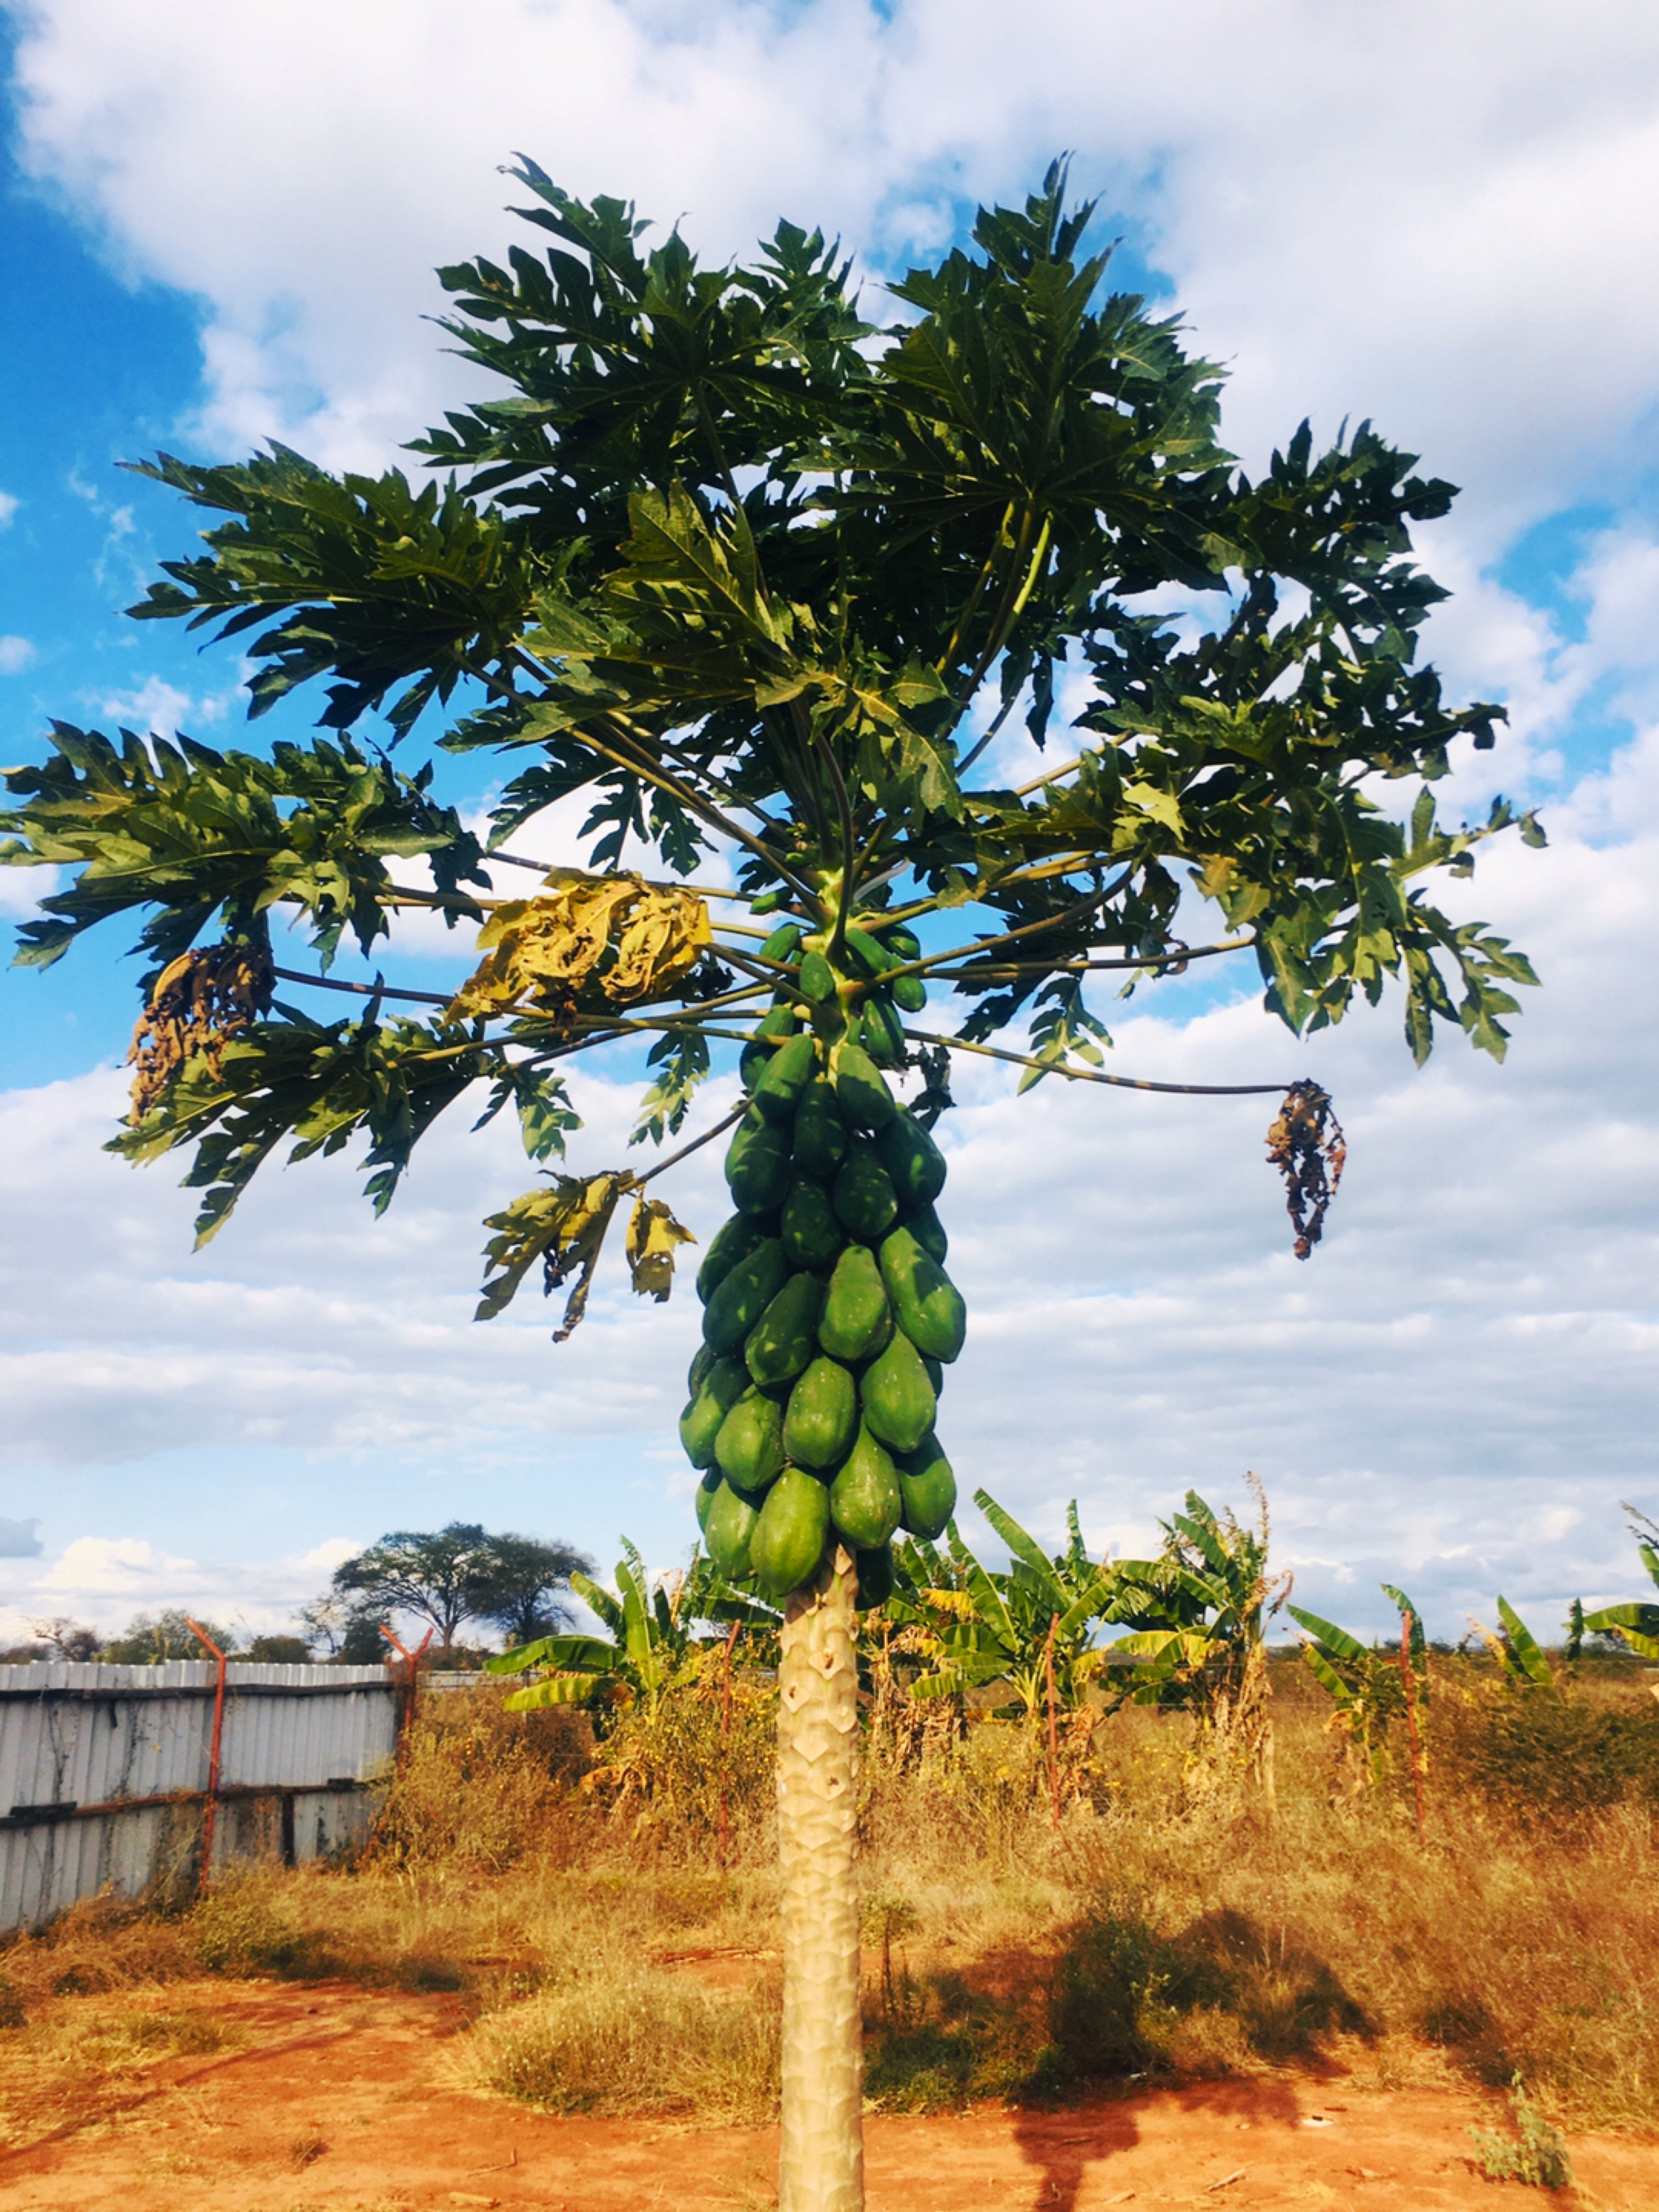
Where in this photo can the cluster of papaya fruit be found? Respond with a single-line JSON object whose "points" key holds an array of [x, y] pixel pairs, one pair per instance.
{"points": [[827, 1318]]}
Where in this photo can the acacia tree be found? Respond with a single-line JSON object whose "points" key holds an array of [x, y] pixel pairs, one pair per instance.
{"points": [[767, 582]]}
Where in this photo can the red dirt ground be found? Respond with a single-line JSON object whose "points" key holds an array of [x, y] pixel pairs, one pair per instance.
{"points": [[339, 2101]]}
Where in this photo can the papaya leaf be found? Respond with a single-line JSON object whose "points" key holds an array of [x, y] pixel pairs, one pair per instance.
{"points": [[653, 1235]]}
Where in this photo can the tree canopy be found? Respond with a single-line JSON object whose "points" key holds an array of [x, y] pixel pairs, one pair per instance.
{"points": [[765, 581], [461, 1572]]}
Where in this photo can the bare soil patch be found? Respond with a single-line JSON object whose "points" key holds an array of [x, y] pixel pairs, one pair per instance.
{"points": [[330, 2098]]}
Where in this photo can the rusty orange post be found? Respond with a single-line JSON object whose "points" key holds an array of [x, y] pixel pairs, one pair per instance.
{"points": [[1408, 1621], [1053, 1729], [214, 1749], [725, 1729], [406, 1703]]}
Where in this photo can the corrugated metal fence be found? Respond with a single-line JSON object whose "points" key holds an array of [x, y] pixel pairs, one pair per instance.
{"points": [[104, 1771]]}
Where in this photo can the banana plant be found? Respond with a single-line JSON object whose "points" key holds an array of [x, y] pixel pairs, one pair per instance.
{"points": [[1198, 1612], [760, 578], [974, 1625], [1636, 1624], [1518, 1651], [1366, 1683], [652, 1630]]}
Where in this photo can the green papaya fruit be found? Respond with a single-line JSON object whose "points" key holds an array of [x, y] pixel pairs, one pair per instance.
{"points": [[823, 1415], [786, 1337], [706, 1490], [864, 1098], [909, 993], [769, 902], [788, 1538], [870, 954], [928, 1488], [864, 1197], [855, 1306], [927, 1304], [779, 1022], [902, 942], [728, 1531], [911, 1159], [882, 1031], [875, 1571], [786, 1076], [749, 1444], [818, 977], [864, 1503], [757, 1171], [743, 1296], [783, 943], [898, 1400], [935, 1374], [733, 1241], [820, 1134], [925, 1225], [697, 1375], [700, 1424], [811, 1232]]}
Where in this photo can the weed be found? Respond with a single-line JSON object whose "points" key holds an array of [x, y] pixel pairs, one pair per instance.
{"points": [[305, 2149], [633, 2041], [1534, 2153]]}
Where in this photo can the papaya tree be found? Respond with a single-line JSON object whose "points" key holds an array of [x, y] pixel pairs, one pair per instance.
{"points": [[774, 588]]}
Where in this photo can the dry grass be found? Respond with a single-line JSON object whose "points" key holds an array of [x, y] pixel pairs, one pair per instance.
{"points": [[612, 1965]]}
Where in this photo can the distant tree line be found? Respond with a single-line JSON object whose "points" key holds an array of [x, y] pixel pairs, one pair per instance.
{"points": [[516, 1586]]}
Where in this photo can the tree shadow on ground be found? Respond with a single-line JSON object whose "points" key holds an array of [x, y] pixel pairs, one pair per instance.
{"points": [[1118, 2008], [1129, 2007]]}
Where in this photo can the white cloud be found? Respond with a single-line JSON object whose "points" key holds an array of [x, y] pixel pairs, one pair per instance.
{"points": [[97, 1567], [9, 504], [16, 654], [1433, 247], [156, 707], [105, 1580]]}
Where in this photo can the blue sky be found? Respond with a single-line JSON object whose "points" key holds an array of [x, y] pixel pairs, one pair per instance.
{"points": [[204, 246]]}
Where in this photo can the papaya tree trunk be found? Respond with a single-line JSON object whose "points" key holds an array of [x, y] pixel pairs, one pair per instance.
{"points": [[821, 2163]]}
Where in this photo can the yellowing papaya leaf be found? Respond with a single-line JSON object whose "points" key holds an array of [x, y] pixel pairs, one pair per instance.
{"points": [[652, 1234], [607, 940], [562, 1224]]}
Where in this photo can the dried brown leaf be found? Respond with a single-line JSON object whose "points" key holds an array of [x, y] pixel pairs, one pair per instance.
{"points": [[1306, 1145], [196, 1005]]}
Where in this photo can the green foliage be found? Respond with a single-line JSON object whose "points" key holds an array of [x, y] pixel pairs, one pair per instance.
{"points": [[1635, 1625], [971, 1627], [740, 565], [154, 1639], [652, 1632], [1534, 2153], [1366, 1683], [1198, 1612], [457, 1573], [196, 836]]}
